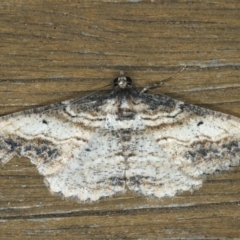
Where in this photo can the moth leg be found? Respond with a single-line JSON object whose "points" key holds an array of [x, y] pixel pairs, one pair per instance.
{"points": [[158, 84]]}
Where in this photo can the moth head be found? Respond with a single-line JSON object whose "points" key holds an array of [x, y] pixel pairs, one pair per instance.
{"points": [[122, 81]]}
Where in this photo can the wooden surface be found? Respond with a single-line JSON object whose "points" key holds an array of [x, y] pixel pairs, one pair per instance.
{"points": [[56, 50]]}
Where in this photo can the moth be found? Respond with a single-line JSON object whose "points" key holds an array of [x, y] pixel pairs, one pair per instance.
{"points": [[100, 145]]}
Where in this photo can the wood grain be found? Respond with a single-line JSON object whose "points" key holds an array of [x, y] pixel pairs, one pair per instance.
{"points": [[56, 50]]}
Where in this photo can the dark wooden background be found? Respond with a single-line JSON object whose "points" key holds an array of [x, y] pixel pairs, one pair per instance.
{"points": [[56, 50]]}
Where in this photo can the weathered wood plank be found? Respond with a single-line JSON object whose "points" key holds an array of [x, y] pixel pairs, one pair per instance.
{"points": [[57, 50]]}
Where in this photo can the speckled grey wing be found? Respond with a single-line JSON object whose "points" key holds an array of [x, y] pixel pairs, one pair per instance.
{"points": [[179, 144], [69, 145]]}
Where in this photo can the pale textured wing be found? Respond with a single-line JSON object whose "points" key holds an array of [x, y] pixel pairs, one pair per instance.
{"points": [[69, 145], [178, 144]]}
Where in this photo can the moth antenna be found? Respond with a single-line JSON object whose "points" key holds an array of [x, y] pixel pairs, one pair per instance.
{"points": [[160, 83], [80, 99]]}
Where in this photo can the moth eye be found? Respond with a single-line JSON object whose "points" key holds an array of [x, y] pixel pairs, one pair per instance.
{"points": [[115, 82], [129, 81]]}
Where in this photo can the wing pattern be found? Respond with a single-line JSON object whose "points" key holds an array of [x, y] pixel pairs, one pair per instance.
{"points": [[102, 145], [69, 145], [180, 144]]}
